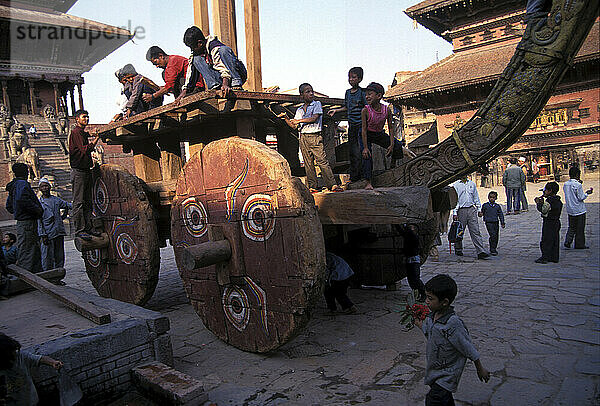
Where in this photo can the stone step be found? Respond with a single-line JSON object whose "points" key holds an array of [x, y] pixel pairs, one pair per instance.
{"points": [[167, 385], [55, 159]]}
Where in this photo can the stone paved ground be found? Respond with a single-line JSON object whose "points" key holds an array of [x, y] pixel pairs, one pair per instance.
{"points": [[537, 328]]}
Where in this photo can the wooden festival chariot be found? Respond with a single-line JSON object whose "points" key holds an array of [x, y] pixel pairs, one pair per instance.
{"points": [[249, 239]]}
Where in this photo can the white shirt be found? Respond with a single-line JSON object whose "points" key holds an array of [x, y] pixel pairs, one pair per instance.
{"points": [[314, 108], [467, 195], [574, 197]]}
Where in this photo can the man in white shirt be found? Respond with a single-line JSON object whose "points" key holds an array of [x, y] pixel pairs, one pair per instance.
{"points": [[574, 197], [466, 211]]}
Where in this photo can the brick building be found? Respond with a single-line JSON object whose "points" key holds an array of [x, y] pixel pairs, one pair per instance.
{"points": [[484, 35]]}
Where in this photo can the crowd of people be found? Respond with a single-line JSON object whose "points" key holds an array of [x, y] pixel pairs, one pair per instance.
{"points": [[39, 241], [214, 65], [549, 204]]}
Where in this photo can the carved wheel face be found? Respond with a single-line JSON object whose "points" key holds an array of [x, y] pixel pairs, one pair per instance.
{"points": [[101, 199], [243, 190], [128, 269]]}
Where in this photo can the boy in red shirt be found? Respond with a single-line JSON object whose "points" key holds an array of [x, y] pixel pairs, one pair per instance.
{"points": [[175, 70]]}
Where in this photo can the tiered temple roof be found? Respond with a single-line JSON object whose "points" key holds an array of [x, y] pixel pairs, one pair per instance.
{"points": [[40, 41], [484, 33], [475, 66]]}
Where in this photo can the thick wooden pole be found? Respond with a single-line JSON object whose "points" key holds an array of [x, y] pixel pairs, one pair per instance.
{"points": [[31, 97], [146, 160], [80, 96], [170, 159], [56, 102], [206, 254], [88, 310], [398, 205], [5, 98], [224, 22], [201, 16], [73, 108], [253, 60], [95, 243]]}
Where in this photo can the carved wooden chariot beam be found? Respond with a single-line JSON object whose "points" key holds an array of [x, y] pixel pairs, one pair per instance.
{"points": [[546, 51]]}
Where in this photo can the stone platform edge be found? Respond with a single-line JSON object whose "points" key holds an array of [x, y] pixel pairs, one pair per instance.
{"points": [[100, 359]]}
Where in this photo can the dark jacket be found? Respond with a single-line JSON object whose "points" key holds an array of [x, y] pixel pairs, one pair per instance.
{"points": [[492, 213], [555, 207], [141, 85], [2, 263], [80, 149], [22, 201], [513, 177]]}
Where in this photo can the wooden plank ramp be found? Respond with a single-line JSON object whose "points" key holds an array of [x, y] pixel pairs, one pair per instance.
{"points": [[88, 310]]}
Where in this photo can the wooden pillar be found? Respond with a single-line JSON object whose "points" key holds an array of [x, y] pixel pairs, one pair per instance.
{"points": [[80, 96], [253, 61], [31, 97], [201, 16], [288, 146], [146, 159], [5, 98], [170, 159], [224, 22], [56, 102], [65, 104], [73, 108]]}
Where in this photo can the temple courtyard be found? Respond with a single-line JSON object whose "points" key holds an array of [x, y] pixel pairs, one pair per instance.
{"points": [[536, 326]]}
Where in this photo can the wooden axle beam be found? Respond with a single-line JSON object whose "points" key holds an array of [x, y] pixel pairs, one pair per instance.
{"points": [[206, 254], [88, 310], [398, 205], [95, 243]]}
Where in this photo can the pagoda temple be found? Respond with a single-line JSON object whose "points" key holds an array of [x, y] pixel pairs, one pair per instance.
{"points": [[45, 52], [484, 35]]}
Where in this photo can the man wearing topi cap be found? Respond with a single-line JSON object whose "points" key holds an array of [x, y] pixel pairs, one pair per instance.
{"points": [[51, 228]]}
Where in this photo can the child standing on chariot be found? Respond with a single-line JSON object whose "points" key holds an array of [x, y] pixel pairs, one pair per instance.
{"points": [[308, 120], [374, 116], [354, 102]]}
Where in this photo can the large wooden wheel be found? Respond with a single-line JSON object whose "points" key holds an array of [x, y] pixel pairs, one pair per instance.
{"points": [[127, 269], [239, 193]]}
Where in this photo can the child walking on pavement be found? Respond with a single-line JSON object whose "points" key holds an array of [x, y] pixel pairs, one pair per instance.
{"points": [[492, 215], [448, 343], [336, 285], [309, 120], [550, 206], [373, 117]]}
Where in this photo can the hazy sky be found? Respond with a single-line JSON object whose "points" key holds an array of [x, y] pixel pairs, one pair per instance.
{"points": [[301, 41]]}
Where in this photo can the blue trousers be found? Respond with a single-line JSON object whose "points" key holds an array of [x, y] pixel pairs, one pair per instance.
{"points": [[383, 140], [513, 199], [53, 254], [212, 77], [354, 150]]}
